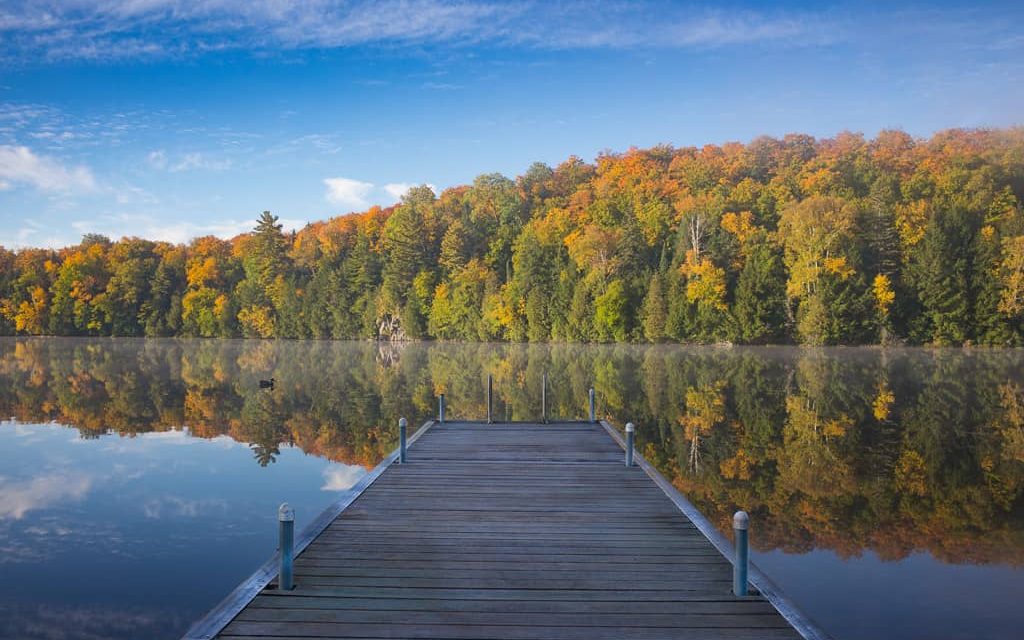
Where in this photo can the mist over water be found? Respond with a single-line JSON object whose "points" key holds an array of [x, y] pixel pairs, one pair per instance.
{"points": [[139, 478]]}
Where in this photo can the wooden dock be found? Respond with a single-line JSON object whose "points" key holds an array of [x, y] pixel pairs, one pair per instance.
{"points": [[517, 531]]}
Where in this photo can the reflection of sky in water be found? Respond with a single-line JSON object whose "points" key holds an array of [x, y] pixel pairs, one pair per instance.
{"points": [[842, 456], [888, 596], [136, 537]]}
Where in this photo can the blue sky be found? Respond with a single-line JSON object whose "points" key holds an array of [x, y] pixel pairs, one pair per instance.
{"points": [[170, 119]]}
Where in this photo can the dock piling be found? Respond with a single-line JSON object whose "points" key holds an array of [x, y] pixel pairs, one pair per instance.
{"points": [[593, 412], [740, 525], [490, 393], [286, 541], [630, 428], [402, 425], [544, 399], [440, 408]]}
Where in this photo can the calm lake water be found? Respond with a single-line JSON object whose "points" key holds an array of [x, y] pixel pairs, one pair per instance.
{"points": [[139, 480]]}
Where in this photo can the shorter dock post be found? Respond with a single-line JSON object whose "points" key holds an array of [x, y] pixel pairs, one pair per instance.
{"points": [[402, 424], [630, 428], [440, 408], [544, 399], [740, 525], [490, 393], [593, 412], [286, 536]]}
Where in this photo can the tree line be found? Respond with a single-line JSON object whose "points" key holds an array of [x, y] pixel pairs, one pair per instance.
{"points": [[842, 240]]}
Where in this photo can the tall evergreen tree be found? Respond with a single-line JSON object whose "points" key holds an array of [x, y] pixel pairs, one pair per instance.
{"points": [[941, 268], [759, 310]]}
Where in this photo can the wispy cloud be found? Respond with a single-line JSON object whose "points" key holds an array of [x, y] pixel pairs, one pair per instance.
{"points": [[157, 159], [20, 165], [191, 161], [113, 30]]}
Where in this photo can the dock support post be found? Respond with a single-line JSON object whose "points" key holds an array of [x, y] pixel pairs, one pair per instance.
{"points": [[490, 393], [286, 540], [630, 428], [402, 425], [740, 525], [593, 412], [544, 399], [440, 408]]}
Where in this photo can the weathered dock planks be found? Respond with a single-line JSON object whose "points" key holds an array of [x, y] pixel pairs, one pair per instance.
{"points": [[510, 531]]}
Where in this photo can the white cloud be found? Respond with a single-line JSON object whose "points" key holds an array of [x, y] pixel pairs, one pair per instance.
{"points": [[348, 192], [341, 477], [22, 165], [398, 189]]}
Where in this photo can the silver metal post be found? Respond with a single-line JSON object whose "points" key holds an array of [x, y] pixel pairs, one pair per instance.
{"points": [[740, 525], [286, 541], [630, 428], [402, 424], [544, 399], [440, 408], [593, 412], [490, 389]]}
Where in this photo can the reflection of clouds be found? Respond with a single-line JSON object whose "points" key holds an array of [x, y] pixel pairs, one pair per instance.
{"points": [[18, 498], [341, 477], [132, 442], [174, 506], [91, 622], [46, 536]]}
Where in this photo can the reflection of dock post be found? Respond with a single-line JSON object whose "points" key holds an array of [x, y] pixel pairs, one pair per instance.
{"points": [[402, 424], [593, 413], [544, 399], [440, 408], [630, 428], [490, 391], [286, 539], [740, 524]]}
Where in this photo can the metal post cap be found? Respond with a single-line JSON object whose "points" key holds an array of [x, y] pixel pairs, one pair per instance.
{"points": [[402, 422], [741, 521], [630, 427], [285, 513]]}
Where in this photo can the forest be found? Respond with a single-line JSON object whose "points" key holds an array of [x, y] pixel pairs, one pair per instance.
{"points": [[844, 240]]}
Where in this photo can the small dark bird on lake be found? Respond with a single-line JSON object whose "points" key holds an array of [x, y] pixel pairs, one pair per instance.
{"points": [[267, 384]]}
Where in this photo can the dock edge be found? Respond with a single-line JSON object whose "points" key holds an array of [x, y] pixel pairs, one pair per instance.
{"points": [[768, 589], [221, 615]]}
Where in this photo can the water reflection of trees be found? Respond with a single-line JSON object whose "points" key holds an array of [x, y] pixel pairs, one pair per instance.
{"points": [[847, 449]]}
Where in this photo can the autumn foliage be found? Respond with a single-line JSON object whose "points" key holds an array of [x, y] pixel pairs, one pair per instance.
{"points": [[840, 240]]}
